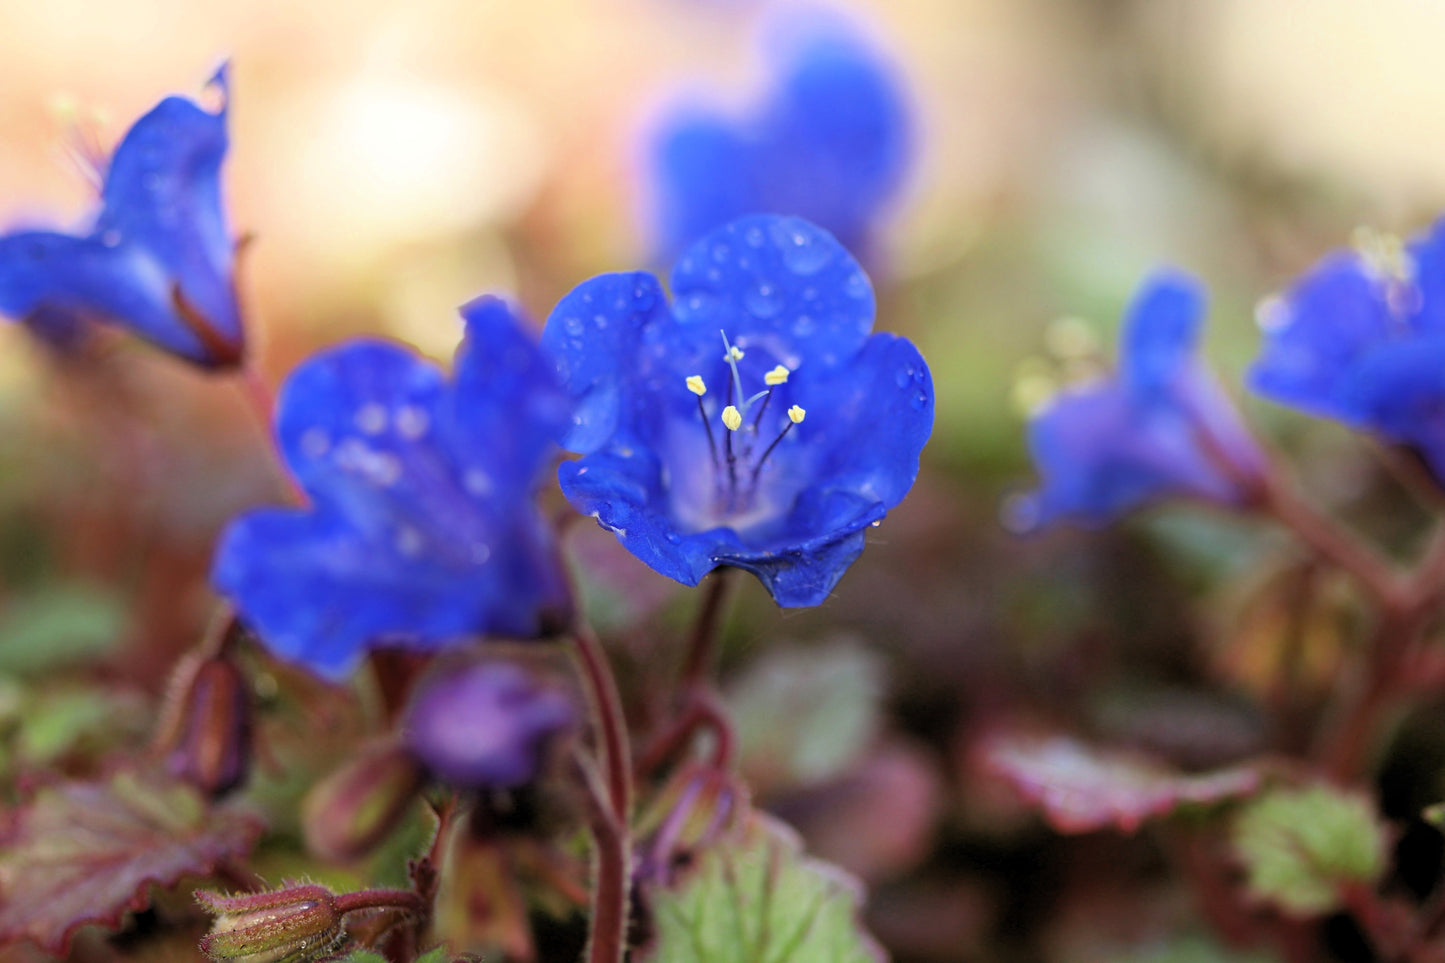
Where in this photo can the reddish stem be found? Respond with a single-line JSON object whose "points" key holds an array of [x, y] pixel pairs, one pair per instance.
{"points": [[702, 642], [607, 935], [607, 712], [702, 712], [381, 899]]}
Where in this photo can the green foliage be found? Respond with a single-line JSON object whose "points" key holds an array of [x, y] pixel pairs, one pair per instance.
{"points": [[758, 899], [805, 715], [56, 625], [1190, 949], [1301, 845]]}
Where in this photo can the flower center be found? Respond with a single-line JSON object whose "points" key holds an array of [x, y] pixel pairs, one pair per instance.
{"points": [[735, 468]]}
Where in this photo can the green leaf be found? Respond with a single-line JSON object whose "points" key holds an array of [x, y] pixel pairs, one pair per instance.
{"points": [[760, 900], [1301, 845], [1190, 949], [805, 715], [57, 625]]}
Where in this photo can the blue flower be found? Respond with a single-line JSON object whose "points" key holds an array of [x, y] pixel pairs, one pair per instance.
{"points": [[1361, 339], [158, 258], [485, 725], [421, 527], [1160, 427], [830, 143], [691, 417]]}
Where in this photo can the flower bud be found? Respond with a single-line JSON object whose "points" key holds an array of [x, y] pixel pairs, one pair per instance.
{"points": [[351, 811], [485, 725], [269, 927], [208, 739]]}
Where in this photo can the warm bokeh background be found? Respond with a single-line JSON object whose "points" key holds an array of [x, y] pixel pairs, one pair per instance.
{"points": [[395, 160]]}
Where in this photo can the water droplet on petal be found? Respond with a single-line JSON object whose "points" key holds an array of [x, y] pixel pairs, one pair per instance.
{"points": [[412, 422], [762, 300], [573, 325], [754, 237], [371, 418], [805, 253], [477, 481], [856, 286], [315, 443]]}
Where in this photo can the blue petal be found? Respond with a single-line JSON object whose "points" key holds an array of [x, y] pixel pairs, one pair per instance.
{"points": [[704, 177], [1100, 453], [830, 142], [836, 134], [1399, 391], [159, 258], [422, 527], [779, 284], [1161, 331], [84, 278], [162, 195], [1428, 254], [596, 337], [1325, 323], [872, 420], [507, 402]]}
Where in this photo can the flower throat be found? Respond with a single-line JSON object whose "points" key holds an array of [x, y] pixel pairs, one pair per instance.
{"points": [[735, 459]]}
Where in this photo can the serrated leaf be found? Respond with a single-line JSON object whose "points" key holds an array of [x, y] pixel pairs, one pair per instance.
{"points": [[758, 898], [86, 852], [57, 625], [1300, 846], [805, 715], [1081, 788]]}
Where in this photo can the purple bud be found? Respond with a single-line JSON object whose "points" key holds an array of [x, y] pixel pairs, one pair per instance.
{"points": [[206, 738], [485, 725]]}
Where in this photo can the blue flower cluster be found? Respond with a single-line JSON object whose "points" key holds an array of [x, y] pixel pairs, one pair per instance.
{"points": [[1160, 427], [830, 143], [158, 257], [690, 416], [1361, 339], [421, 528]]}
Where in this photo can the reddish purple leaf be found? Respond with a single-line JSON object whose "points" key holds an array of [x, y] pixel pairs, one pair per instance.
{"points": [[1081, 788], [86, 852]]}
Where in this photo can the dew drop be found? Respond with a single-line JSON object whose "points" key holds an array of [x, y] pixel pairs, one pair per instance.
{"points": [[721, 253], [762, 300], [920, 399], [904, 377], [754, 237], [477, 482], [408, 541], [573, 325], [804, 326], [412, 422], [599, 321], [804, 253], [371, 418], [315, 443], [856, 286]]}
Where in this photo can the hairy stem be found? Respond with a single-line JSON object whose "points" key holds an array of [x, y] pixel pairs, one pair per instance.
{"points": [[702, 641], [607, 934]]}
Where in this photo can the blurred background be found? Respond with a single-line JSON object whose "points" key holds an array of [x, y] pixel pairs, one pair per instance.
{"points": [[394, 161]]}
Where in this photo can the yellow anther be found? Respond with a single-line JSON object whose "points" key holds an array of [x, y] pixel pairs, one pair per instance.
{"points": [[695, 385], [796, 415], [732, 418], [1384, 254], [778, 376], [734, 354]]}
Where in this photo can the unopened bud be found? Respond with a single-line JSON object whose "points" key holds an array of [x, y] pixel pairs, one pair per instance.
{"points": [[485, 725], [208, 739], [351, 811], [299, 921]]}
